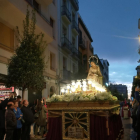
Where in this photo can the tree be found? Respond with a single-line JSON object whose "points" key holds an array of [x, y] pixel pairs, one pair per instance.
{"points": [[26, 66]]}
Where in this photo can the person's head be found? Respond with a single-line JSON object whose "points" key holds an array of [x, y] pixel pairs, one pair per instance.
{"points": [[25, 103], [10, 95], [15, 104], [15, 94], [93, 61], [18, 98], [10, 105], [92, 64]]}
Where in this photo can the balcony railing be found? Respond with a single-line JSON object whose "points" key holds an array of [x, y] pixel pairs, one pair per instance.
{"points": [[82, 43], [66, 75], [75, 4], [37, 10], [66, 44], [65, 12], [75, 26], [76, 53], [91, 48]]}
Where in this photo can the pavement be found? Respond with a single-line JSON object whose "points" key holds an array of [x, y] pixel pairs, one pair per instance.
{"points": [[129, 133]]}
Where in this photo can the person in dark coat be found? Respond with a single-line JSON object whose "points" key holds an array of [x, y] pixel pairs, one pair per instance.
{"points": [[41, 120], [18, 114], [2, 115], [10, 121], [28, 117]]}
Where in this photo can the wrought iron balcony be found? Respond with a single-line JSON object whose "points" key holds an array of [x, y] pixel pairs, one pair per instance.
{"points": [[75, 4], [76, 53], [66, 75], [91, 48], [37, 10], [82, 43], [66, 44], [75, 27], [66, 15]]}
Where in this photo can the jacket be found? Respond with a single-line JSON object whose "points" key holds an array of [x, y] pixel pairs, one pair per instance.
{"points": [[10, 119], [17, 114], [28, 116], [2, 112], [41, 121]]}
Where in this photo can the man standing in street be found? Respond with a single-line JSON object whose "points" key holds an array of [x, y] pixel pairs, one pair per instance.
{"points": [[28, 117], [10, 121]]}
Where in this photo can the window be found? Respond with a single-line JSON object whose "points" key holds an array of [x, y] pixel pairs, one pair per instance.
{"points": [[52, 61], [52, 25], [74, 68], [36, 6], [64, 63], [64, 31], [6, 37], [73, 16], [54, 2], [73, 41]]}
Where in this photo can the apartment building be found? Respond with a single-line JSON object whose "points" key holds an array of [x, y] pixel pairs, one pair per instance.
{"points": [[105, 64], [84, 43], [12, 14], [122, 89], [68, 31]]}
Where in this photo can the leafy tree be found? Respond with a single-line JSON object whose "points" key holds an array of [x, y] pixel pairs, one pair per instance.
{"points": [[26, 66]]}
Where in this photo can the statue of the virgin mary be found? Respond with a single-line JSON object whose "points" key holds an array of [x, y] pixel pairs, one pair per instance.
{"points": [[94, 71]]}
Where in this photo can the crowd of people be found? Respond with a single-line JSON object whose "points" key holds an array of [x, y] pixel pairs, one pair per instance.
{"points": [[16, 118], [136, 112]]}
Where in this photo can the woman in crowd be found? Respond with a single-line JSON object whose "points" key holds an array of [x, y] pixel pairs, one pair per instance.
{"points": [[41, 120], [18, 114]]}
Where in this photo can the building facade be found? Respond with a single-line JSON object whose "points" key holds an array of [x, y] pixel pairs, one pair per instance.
{"points": [[84, 43], [68, 31], [105, 64], [12, 14], [122, 89]]}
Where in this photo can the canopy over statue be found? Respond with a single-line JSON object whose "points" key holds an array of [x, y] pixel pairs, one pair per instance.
{"points": [[94, 71]]}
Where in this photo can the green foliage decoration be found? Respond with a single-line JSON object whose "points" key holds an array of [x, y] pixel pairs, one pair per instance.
{"points": [[26, 66]]}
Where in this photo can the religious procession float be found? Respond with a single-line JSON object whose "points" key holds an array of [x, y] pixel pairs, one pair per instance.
{"points": [[85, 110]]}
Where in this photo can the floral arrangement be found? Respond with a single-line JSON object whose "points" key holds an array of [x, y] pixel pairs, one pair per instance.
{"points": [[82, 97]]}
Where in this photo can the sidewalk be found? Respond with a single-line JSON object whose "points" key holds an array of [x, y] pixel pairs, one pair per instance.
{"points": [[129, 133]]}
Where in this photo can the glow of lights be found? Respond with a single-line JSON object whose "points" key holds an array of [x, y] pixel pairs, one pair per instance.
{"points": [[84, 82], [73, 83], [68, 87], [89, 82], [73, 89], [62, 90], [84, 89]]}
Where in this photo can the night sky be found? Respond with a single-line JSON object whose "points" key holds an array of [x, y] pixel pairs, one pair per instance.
{"points": [[113, 25]]}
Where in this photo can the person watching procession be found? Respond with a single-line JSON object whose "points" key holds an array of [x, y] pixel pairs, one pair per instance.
{"points": [[28, 118], [137, 97], [10, 121], [18, 114]]}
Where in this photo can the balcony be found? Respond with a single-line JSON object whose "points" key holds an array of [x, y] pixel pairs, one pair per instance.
{"points": [[75, 4], [91, 48], [14, 12], [66, 75], [75, 27], [76, 54], [82, 43], [37, 10], [66, 15], [45, 2], [66, 45]]}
